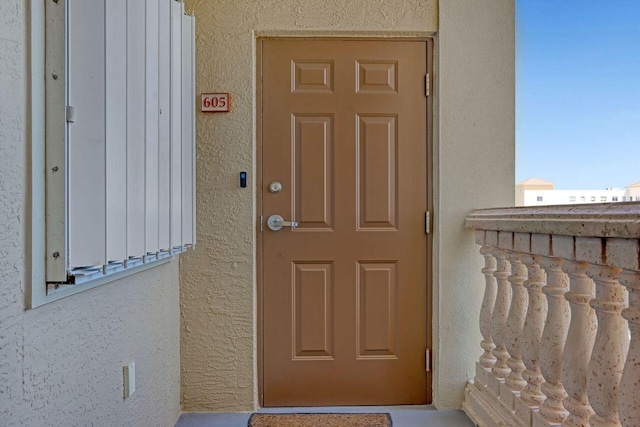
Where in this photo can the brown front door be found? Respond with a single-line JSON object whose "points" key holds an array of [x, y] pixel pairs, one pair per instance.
{"points": [[344, 132]]}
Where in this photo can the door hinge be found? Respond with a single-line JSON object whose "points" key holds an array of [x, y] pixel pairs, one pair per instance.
{"points": [[261, 220], [427, 222], [70, 113], [427, 85], [427, 363]]}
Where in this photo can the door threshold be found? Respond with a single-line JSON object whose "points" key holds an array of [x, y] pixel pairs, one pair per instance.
{"points": [[345, 409]]}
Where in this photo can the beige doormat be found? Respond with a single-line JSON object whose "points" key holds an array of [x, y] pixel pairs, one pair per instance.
{"points": [[320, 420]]}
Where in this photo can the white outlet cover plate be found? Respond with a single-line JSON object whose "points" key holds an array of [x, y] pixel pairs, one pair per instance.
{"points": [[129, 372]]}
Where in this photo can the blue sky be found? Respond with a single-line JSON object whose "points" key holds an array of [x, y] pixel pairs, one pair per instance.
{"points": [[578, 92]]}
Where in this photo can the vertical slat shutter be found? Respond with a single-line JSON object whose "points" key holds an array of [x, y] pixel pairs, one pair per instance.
{"points": [[164, 124], [152, 120], [116, 94], [131, 173], [176, 124], [187, 131], [136, 77], [193, 132], [86, 135]]}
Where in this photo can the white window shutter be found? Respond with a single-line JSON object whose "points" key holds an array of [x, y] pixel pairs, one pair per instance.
{"points": [[176, 124], [193, 132], [131, 140], [187, 130], [164, 125], [152, 123], [86, 133], [136, 120], [116, 132]]}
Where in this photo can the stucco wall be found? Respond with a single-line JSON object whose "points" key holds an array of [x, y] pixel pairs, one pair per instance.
{"points": [[475, 168], [218, 281], [61, 364], [218, 293]]}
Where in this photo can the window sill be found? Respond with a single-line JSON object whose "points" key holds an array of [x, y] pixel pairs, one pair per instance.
{"points": [[83, 279]]}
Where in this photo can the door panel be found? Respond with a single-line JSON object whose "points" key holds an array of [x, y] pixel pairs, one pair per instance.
{"points": [[313, 171], [344, 130], [377, 310], [313, 311], [377, 169]]}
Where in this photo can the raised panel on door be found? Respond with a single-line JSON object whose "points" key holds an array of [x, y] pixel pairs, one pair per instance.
{"points": [[377, 77], [312, 178], [377, 171], [313, 311], [312, 77], [377, 310]]}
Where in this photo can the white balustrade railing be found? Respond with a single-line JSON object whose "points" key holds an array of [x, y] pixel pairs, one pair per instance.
{"points": [[560, 317], [515, 325]]}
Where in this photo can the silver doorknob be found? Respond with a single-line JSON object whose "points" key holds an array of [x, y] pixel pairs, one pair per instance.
{"points": [[275, 223]]}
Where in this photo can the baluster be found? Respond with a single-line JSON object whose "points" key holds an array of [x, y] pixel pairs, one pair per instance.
{"points": [[629, 403], [577, 353], [500, 369], [552, 343], [487, 360], [531, 397], [515, 323], [610, 347]]}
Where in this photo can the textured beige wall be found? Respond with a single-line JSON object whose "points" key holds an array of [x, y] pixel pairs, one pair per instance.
{"points": [[218, 281], [218, 291], [61, 364], [475, 168]]}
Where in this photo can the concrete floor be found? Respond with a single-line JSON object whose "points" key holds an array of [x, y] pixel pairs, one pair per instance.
{"points": [[402, 416]]}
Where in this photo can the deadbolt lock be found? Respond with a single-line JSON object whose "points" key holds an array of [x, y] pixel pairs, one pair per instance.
{"points": [[275, 187]]}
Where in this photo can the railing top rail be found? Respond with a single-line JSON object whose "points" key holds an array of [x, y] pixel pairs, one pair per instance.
{"points": [[621, 220]]}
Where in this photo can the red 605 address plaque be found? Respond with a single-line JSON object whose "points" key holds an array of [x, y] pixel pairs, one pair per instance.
{"points": [[215, 103]]}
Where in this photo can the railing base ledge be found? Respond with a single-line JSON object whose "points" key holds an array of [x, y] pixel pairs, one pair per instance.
{"points": [[485, 410], [539, 421]]}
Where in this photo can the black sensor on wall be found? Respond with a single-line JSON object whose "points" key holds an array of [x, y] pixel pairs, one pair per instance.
{"points": [[243, 179]]}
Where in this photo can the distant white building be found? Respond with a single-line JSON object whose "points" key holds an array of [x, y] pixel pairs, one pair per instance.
{"points": [[633, 192], [538, 192]]}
